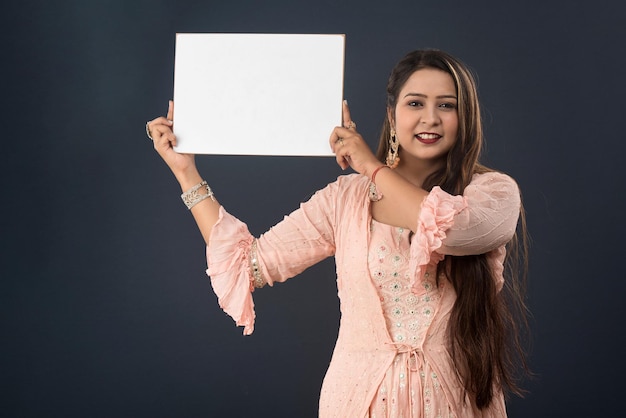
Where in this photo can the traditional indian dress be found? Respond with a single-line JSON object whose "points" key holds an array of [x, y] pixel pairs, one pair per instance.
{"points": [[391, 358]]}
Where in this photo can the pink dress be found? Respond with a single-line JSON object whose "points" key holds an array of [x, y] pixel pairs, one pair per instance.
{"points": [[410, 388], [391, 357]]}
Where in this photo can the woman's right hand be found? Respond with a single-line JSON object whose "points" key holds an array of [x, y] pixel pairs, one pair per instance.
{"points": [[161, 131], [183, 166]]}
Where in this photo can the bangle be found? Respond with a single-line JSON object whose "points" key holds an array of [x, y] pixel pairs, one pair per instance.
{"points": [[376, 172], [191, 197], [257, 276]]}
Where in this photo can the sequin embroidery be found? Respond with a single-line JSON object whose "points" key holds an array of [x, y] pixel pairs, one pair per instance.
{"points": [[407, 317]]}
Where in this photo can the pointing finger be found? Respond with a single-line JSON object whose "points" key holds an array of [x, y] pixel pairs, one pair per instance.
{"points": [[346, 114], [348, 123], [170, 110]]}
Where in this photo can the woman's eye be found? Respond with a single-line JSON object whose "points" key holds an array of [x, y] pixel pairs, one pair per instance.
{"points": [[414, 103], [448, 106]]}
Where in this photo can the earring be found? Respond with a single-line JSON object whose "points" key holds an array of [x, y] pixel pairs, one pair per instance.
{"points": [[392, 155]]}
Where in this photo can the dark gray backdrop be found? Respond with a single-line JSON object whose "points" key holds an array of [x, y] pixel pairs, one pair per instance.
{"points": [[105, 307]]}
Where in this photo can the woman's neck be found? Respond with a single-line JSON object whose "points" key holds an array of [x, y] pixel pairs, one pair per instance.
{"points": [[416, 171]]}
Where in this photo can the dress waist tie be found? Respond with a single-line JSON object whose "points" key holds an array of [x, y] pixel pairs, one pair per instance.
{"points": [[417, 354]]}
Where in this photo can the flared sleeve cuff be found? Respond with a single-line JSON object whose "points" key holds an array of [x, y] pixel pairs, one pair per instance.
{"points": [[436, 217], [227, 253]]}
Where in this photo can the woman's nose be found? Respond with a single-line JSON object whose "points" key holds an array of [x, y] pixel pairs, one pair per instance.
{"points": [[429, 116]]}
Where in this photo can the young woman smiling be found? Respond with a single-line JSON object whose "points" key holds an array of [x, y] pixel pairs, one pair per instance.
{"points": [[429, 325]]}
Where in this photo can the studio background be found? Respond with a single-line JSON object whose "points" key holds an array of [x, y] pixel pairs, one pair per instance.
{"points": [[105, 309]]}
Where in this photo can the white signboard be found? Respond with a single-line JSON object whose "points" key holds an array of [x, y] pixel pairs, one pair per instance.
{"points": [[257, 94]]}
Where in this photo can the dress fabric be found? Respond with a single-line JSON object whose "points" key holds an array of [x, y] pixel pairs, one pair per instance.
{"points": [[367, 361], [410, 388]]}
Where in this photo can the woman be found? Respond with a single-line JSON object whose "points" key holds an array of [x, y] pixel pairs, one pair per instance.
{"points": [[418, 234]]}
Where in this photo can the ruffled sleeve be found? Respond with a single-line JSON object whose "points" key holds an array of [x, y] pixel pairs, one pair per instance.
{"points": [[301, 239], [436, 217], [480, 221], [490, 219], [228, 266]]}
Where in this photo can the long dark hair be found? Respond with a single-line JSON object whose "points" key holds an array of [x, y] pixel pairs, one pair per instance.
{"points": [[487, 327]]}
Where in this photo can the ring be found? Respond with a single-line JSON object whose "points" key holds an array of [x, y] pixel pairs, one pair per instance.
{"points": [[340, 140], [148, 131], [351, 125]]}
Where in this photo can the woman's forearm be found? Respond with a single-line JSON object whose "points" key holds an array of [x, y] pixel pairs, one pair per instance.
{"points": [[205, 212]]}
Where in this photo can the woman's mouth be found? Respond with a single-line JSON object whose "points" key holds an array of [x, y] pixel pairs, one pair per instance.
{"points": [[427, 137]]}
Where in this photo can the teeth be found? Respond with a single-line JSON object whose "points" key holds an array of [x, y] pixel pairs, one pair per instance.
{"points": [[428, 136]]}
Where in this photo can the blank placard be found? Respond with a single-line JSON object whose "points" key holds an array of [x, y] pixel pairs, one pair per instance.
{"points": [[257, 94]]}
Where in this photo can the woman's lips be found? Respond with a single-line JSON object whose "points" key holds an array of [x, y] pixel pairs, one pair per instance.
{"points": [[427, 137]]}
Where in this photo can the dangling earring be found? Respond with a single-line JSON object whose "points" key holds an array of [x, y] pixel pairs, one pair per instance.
{"points": [[392, 155]]}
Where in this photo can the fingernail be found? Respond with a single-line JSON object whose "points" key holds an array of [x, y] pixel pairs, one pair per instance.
{"points": [[345, 102]]}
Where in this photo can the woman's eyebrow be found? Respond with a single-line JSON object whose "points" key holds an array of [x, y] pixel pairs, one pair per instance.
{"points": [[444, 96]]}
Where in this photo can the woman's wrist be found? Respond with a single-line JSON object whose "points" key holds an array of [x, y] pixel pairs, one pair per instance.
{"points": [[188, 178], [370, 167]]}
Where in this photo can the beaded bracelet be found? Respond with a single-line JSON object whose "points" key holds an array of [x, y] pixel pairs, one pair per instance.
{"points": [[191, 197]]}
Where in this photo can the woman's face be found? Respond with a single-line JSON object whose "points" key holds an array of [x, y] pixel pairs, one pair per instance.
{"points": [[426, 118]]}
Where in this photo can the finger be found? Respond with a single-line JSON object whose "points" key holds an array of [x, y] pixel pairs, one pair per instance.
{"points": [[342, 154], [339, 137], [170, 110], [346, 114], [334, 138], [159, 121], [342, 161], [162, 134], [344, 133], [172, 139]]}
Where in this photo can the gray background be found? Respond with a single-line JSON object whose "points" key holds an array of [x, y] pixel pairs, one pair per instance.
{"points": [[105, 309]]}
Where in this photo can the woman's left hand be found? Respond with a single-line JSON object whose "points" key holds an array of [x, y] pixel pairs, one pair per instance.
{"points": [[350, 148]]}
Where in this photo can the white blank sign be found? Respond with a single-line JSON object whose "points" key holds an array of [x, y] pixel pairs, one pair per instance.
{"points": [[257, 94]]}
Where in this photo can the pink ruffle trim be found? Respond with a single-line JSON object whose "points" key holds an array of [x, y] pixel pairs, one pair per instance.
{"points": [[436, 217], [228, 267]]}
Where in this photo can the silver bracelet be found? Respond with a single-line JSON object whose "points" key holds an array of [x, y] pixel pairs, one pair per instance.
{"points": [[191, 197]]}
